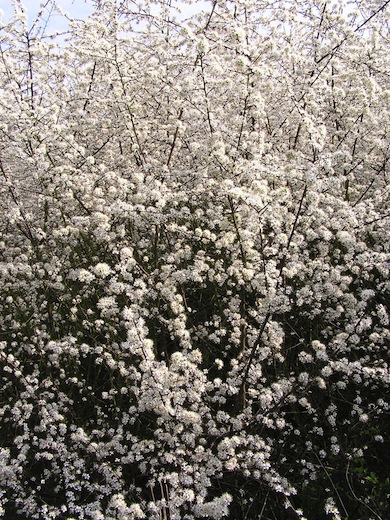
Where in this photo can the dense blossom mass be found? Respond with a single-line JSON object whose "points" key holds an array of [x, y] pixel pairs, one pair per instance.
{"points": [[194, 260]]}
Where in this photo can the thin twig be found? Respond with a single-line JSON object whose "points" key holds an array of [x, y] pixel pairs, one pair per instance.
{"points": [[296, 218], [333, 485], [355, 496]]}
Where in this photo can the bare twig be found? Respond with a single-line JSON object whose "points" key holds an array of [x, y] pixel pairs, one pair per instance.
{"points": [[355, 496], [333, 484], [296, 218]]}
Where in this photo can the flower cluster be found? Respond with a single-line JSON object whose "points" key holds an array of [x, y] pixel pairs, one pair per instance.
{"points": [[194, 260]]}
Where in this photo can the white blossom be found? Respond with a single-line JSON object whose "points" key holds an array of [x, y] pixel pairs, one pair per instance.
{"points": [[194, 260]]}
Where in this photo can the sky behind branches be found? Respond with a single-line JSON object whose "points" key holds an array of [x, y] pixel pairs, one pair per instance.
{"points": [[75, 9]]}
